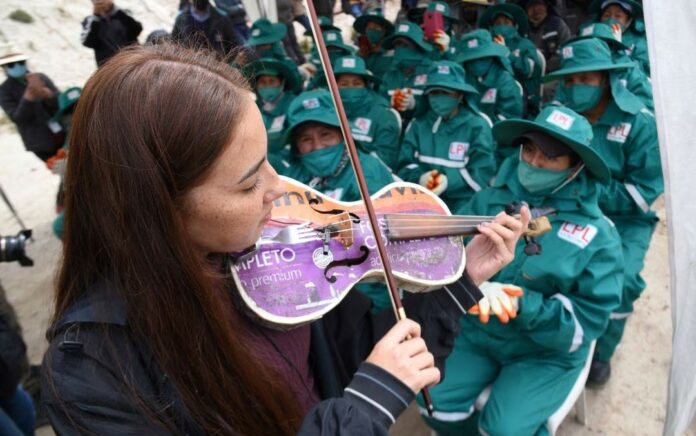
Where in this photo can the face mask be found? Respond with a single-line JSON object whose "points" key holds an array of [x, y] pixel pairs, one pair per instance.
{"points": [[582, 98], [612, 21], [407, 54], [270, 94], [507, 32], [17, 71], [479, 67], [325, 161], [373, 35], [443, 104], [334, 55], [540, 181], [353, 97]]}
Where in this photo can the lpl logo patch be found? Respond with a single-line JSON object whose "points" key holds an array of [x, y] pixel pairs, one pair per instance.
{"points": [[561, 119], [420, 79], [310, 103], [363, 124], [619, 133], [443, 69], [577, 234], [348, 63], [472, 43], [277, 124], [457, 150], [567, 52], [490, 96]]}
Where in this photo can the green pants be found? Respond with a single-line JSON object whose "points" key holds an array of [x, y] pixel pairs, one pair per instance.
{"points": [[526, 389], [635, 241]]}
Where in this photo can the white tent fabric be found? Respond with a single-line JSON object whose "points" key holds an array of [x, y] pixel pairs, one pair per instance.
{"points": [[256, 9], [672, 42]]}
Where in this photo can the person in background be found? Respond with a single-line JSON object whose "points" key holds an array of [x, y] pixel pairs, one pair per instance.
{"points": [[336, 48], [202, 26], [574, 13], [547, 31], [237, 15], [108, 29], [449, 149], [625, 135], [30, 101], [508, 25], [373, 28], [286, 16]]}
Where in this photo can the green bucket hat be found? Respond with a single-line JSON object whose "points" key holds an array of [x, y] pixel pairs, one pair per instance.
{"points": [[374, 15], [311, 106], [448, 75], [443, 8], [353, 65], [410, 31], [590, 54], [478, 44], [562, 124], [265, 32], [634, 7], [273, 67], [512, 11], [66, 100], [334, 38], [609, 34], [325, 23]]}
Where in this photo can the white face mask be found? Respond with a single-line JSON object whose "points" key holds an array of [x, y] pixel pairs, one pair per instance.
{"points": [[17, 71]]}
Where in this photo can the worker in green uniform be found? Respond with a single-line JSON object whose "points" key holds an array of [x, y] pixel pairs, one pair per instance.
{"points": [[405, 80], [554, 304], [318, 158], [629, 15], [489, 71], [634, 79], [625, 134], [449, 149], [375, 125], [441, 39], [509, 25], [266, 41], [336, 48], [372, 29], [275, 86]]}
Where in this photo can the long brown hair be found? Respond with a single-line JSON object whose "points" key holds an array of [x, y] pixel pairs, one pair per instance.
{"points": [[148, 126]]}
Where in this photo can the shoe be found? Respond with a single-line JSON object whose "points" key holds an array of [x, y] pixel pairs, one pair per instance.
{"points": [[599, 375]]}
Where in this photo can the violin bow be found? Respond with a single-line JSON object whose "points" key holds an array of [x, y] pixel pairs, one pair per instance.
{"points": [[398, 307]]}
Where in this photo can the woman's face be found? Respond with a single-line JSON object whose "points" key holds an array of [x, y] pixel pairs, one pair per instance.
{"points": [[227, 210], [533, 155], [267, 81], [315, 136], [615, 12], [350, 81]]}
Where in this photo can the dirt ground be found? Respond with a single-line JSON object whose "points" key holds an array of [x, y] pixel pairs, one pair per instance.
{"points": [[633, 403]]}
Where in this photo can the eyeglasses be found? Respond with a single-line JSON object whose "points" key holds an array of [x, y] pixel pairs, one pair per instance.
{"points": [[12, 64]]}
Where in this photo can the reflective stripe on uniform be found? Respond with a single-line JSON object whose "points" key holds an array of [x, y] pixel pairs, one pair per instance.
{"points": [[619, 315], [415, 91], [361, 137], [373, 402], [440, 161], [470, 180], [449, 416], [579, 331], [635, 195], [397, 115]]}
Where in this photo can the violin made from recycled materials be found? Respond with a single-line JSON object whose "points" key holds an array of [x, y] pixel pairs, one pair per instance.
{"points": [[315, 249]]}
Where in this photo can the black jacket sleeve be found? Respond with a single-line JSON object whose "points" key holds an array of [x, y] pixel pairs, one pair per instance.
{"points": [[133, 27], [90, 31]]}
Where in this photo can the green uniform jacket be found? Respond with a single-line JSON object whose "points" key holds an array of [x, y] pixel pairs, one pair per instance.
{"points": [[376, 128], [501, 95], [461, 148], [570, 288], [637, 48], [417, 79], [527, 67], [378, 63], [276, 123], [626, 137]]}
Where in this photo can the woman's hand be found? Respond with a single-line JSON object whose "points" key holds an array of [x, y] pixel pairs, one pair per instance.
{"points": [[494, 248], [403, 353]]}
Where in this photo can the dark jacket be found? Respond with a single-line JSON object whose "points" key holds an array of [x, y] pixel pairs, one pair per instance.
{"points": [[548, 37], [217, 32], [83, 381], [107, 34], [31, 117], [13, 352]]}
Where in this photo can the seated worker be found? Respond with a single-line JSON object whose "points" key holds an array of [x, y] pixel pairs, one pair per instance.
{"points": [[376, 127], [556, 303], [634, 79], [629, 15], [275, 86], [449, 149], [547, 30], [405, 79], [490, 73], [318, 158], [625, 135], [441, 38], [266, 41], [336, 49], [508, 25], [372, 29]]}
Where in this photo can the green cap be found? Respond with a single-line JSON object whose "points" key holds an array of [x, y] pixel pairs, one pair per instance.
{"points": [[316, 106], [273, 67], [634, 7], [375, 15], [561, 123], [590, 54], [353, 65], [512, 11], [66, 100], [443, 8], [448, 75], [611, 34], [265, 32], [477, 45], [410, 31], [325, 23], [334, 38]]}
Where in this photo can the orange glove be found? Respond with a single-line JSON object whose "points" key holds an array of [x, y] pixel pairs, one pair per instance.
{"points": [[434, 181], [57, 163], [403, 100], [501, 298], [441, 40], [499, 39]]}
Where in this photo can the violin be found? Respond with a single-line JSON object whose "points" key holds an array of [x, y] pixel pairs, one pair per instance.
{"points": [[315, 249]]}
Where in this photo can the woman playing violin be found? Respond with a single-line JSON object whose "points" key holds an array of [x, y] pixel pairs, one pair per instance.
{"points": [[168, 172]]}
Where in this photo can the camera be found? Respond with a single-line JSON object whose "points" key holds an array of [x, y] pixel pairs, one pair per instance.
{"points": [[12, 248]]}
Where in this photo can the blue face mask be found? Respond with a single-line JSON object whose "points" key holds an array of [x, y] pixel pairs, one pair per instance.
{"points": [[583, 98], [323, 162], [540, 181], [353, 98], [407, 55], [17, 71], [269, 94], [443, 104], [507, 32], [479, 67]]}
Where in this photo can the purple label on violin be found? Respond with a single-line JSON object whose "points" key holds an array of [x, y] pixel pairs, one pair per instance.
{"points": [[299, 279]]}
